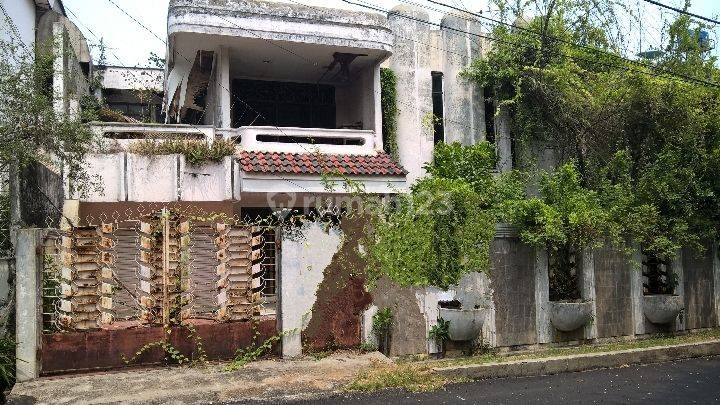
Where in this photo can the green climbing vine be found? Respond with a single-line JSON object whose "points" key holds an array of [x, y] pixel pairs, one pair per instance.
{"points": [[388, 102]]}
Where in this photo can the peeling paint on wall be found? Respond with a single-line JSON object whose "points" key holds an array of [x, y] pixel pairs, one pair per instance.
{"points": [[341, 297]]}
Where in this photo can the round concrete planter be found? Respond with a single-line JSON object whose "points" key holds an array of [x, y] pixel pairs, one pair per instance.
{"points": [[465, 324], [568, 316], [662, 309]]}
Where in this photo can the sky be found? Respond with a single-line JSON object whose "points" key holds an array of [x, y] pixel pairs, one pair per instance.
{"points": [[128, 44]]}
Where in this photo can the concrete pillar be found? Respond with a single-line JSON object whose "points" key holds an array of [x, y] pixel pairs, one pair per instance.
{"points": [[377, 105], [411, 64], [223, 83], [587, 290], [636, 291], [542, 297], [28, 307], [60, 60], [676, 266], [716, 281], [503, 140], [464, 104]]}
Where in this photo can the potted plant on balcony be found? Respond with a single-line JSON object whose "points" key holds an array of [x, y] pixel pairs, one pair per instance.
{"points": [[440, 334], [381, 326], [564, 220]]}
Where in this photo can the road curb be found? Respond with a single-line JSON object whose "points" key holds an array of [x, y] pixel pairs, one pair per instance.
{"points": [[580, 362]]}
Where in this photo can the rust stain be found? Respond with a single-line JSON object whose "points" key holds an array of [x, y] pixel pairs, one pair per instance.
{"points": [[78, 352], [341, 297]]}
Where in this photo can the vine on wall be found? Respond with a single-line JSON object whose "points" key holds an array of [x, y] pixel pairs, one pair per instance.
{"points": [[388, 102]]}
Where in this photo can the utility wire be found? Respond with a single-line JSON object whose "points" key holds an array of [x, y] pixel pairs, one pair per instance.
{"points": [[571, 43], [681, 11]]}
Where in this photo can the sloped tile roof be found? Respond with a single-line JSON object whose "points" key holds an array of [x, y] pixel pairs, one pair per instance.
{"points": [[309, 163]]}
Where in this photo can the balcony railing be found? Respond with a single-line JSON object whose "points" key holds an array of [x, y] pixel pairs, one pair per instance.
{"points": [[303, 140]]}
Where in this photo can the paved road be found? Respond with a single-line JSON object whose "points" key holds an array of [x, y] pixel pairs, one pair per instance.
{"points": [[681, 382]]}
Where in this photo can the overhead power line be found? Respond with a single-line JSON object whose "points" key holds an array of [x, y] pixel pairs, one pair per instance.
{"points": [[657, 69], [681, 11]]}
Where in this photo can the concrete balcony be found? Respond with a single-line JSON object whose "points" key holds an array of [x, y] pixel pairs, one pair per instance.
{"points": [[304, 140]]}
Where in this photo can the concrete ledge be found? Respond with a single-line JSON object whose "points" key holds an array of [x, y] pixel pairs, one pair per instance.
{"points": [[581, 362]]}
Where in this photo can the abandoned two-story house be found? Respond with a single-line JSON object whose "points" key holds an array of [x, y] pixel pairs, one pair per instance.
{"points": [[297, 91]]}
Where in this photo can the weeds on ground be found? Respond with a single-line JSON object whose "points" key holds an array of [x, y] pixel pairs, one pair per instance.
{"points": [[412, 377], [658, 340], [249, 354]]}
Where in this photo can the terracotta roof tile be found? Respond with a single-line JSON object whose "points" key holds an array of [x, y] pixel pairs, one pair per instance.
{"points": [[380, 164]]}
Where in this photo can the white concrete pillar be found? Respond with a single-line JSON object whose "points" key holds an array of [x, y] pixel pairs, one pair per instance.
{"points": [[587, 290], [411, 64], [28, 306], [59, 79], [676, 266], [543, 325], [636, 292], [463, 100], [716, 281], [377, 105], [223, 87]]}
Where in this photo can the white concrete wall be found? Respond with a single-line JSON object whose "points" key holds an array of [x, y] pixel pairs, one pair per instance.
{"points": [[303, 260], [463, 101], [411, 64], [107, 171], [153, 178], [207, 182], [22, 16]]}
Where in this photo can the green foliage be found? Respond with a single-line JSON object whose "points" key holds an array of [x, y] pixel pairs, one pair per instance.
{"points": [[7, 363], [440, 332], [382, 322], [431, 236], [195, 152], [30, 128], [647, 145], [565, 219], [368, 347], [389, 109], [173, 354], [442, 229], [251, 353]]}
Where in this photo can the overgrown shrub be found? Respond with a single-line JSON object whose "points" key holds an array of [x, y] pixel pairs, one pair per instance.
{"points": [[195, 152], [565, 219], [7, 363]]}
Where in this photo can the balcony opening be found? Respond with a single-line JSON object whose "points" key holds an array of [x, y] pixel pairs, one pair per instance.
{"points": [[283, 104], [437, 103], [311, 140]]}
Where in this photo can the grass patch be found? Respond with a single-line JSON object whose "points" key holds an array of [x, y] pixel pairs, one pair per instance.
{"points": [[418, 375], [412, 377], [658, 340]]}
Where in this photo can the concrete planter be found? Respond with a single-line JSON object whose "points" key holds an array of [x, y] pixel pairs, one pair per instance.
{"points": [[465, 324], [662, 309], [569, 316]]}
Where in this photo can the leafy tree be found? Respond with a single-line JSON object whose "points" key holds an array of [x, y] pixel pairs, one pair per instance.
{"points": [[31, 130]]}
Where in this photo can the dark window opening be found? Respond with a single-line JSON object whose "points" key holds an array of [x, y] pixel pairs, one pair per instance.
{"points": [[437, 102], [310, 139], [489, 114], [138, 111], [283, 104]]}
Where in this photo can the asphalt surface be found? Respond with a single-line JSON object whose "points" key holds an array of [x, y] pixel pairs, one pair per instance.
{"points": [[695, 381]]}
